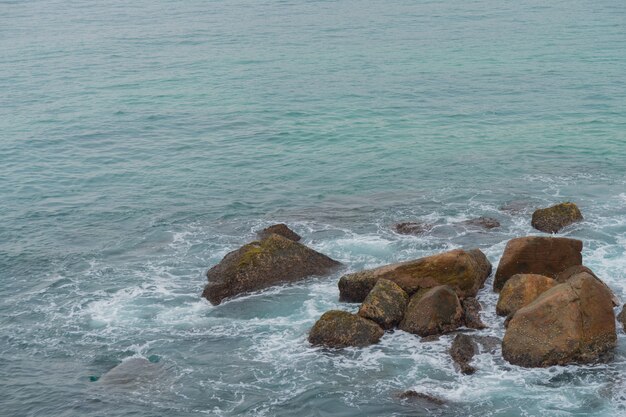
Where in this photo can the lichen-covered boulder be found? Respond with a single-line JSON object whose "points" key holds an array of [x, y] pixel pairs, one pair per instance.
{"points": [[264, 263], [579, 269], [553, 219], [572, 322], [412, 228], [521, 290], [385, 304], [338, 329], [537, 255], [434, 311], [462, 351], [471, 313], [465, 271], [280, 229]]}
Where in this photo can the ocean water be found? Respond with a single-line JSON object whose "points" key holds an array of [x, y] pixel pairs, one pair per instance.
{"points": [[142, 141]]}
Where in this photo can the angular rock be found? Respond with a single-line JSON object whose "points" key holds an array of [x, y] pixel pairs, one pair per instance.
{"points": [[471, 313], [483, 222], [280, 229], [264, 263], [579, 269], [521, 290], [537, 255], [338, 329], [434, 311], [385, 304], [553, 219], [462, 351], [465, 271], [412, 228], [571, 323]]}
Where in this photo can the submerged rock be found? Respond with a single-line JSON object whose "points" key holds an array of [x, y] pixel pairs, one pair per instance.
{"points": [[264, 263], [621, 317], [465, 271], [537, 255], [385, 304], [280, 229], [572, 322], [462, 351], [420, 396], [553, 219], [483, 222], [132, 371], [434, 311], [521, 290], [517, 206], [471, 313], [413, 228], [338, 329]]}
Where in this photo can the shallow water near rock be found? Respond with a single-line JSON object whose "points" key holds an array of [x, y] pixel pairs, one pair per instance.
{"points": [[142, 141]]}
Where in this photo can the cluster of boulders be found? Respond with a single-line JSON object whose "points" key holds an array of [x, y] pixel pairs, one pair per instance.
{"points": [[557, 310]]}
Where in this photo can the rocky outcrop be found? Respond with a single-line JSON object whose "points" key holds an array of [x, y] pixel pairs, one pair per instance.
{"points": [[521, 290], [264, 263], [571, 323], [434, 311], [553, 219], [413, 228], [385, 304], [579, 269], [462, 351], [465, 271], [471, 313], [280, 229], [483, 222], [338, 329], [537, 255]]}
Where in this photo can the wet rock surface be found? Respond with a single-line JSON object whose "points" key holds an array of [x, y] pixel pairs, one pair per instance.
{"points": [[339, 329], [555, 218]]}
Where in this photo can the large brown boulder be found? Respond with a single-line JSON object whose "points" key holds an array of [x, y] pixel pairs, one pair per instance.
{"points": [[280, 229], [338, 329], [570, 323], [434, 311], [537, 255], [465, 271], [553, 219], [264, 263], [579, 269], [521, 290], [385, 304]]}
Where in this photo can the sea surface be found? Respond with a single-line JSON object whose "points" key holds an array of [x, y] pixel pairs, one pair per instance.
{"points": [[141, 141]]}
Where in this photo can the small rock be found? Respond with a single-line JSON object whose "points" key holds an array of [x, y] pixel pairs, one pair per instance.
{"points": [[280, 229], [553, 219], [413, 228], [338, 329], [521, 290], [385, 304], [572, 322], [465, 271], [462, 351], [537, 255], [517, 206], [471, 313], [414, 395], [484, 222], [435, 311]]}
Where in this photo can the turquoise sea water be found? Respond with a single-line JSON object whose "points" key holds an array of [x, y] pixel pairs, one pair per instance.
{"points": [[141, 141]]}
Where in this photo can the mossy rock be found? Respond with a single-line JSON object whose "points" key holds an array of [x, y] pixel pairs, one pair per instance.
{"points": [[521, 290], [436, 311], [555, 218], [339, 329], [385, 304], [280, 229], [465, 271], [264, 263]]}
